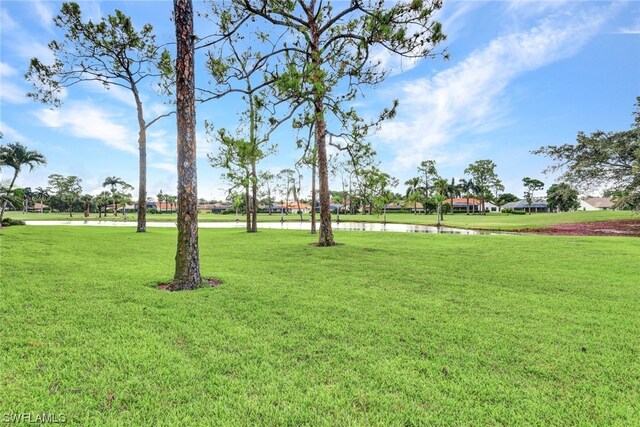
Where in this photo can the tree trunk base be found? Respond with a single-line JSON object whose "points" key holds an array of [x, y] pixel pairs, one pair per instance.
{"points": [[175, 286], [320, 245]]}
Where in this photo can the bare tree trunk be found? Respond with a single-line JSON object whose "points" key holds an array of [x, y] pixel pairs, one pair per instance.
{"points": [[254, 198], [247, 207], [314, 160], [297, 200], [326, 233], [187, 273], [142, 172]]}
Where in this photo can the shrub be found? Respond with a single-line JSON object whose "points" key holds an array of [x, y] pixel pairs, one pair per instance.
{"points": [[7, 222], [510, 211]]}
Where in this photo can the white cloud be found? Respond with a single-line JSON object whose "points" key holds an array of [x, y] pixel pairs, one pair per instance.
{"points": [[162, 144], [157, 109], [522, 8], [28, 48], [7, 22], [453, 16], [84, 120], [44, 14], [468, 98], [12, 94], [10, 134], [117, 93], [7, 70], [166, 166], [633, 29]]}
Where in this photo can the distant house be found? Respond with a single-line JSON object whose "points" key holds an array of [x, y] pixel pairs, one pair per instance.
{"points": [[596, 204], [404, 206], [219, 207], [460, 205], [537, 205], [38, 207], [293, 207], [164, 206], [207, 207]]}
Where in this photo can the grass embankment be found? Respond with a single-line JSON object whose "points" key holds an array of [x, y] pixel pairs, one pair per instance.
{"points": [[389, 329], [494, 221]]}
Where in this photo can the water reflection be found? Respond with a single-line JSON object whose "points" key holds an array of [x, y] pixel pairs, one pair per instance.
{"points": [[303, 226]]}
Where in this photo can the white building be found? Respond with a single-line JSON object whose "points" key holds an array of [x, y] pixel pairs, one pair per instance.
{"points": [[596, 204]]}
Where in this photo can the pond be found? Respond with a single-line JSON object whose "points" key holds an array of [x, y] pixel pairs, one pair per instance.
{"points": [[290, 225]]}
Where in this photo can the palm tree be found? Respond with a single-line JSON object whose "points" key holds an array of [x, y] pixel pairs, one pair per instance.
{"points": [[469, 189], [441, 187], [27, 196], [413, 192], [171, 201], [452, 192], [161, 197], [114, 182], [16, 155], [41, 194], [101, 201], [86, 204]]}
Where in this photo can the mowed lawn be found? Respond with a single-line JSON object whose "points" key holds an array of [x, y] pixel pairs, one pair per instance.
{"points": [[388, 329], [492, 221]]}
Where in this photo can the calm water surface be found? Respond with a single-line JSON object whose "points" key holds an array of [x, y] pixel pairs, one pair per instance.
{"points": [[305, 226]]}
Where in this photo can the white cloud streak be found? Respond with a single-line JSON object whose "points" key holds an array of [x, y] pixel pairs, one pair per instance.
{"points": [[84, 120], [7, 70], [44, 14], [468, 98], [12, 94]]}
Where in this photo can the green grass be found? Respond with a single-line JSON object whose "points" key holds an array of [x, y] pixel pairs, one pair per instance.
{"points": [[388, 329], [495, 221]]}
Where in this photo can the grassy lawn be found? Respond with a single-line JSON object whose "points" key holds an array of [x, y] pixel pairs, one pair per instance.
{"points": [[389, 329], [495, 221]]}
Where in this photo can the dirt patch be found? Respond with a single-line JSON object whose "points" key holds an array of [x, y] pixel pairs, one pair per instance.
{"points": [[206, 283], [626, 228]]}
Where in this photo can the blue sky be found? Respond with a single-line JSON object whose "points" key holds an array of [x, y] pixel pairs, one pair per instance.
{"points": [[522, 74]]}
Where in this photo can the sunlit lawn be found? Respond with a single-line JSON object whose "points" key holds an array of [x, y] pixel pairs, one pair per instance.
{"points": [[495, 221], [388, 329]]}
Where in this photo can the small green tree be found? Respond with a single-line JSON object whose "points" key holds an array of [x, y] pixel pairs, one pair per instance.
{"points": [[428, 174], [532, 185], [66, 188], [485, 179], [562, 197]]}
